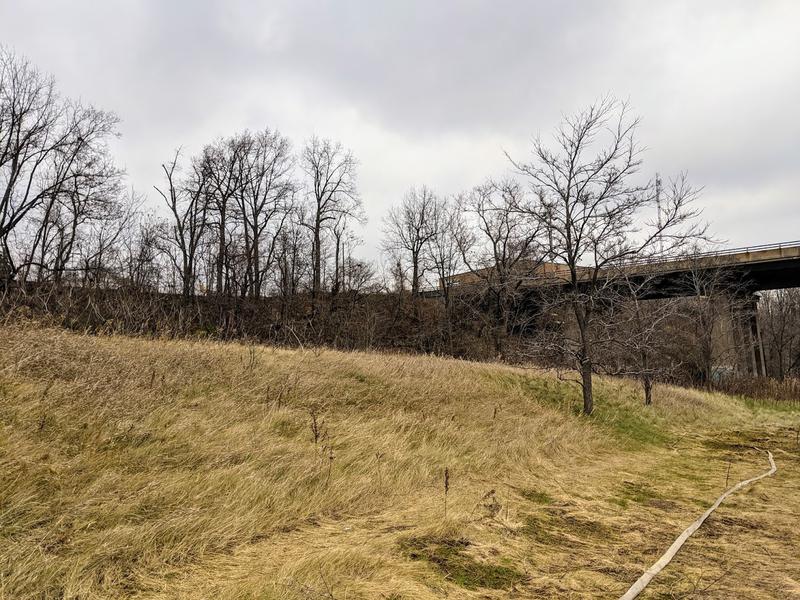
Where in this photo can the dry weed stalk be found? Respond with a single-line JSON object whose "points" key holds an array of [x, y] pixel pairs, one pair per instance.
{"points": [[331, 456], [317, 426], [379, 459], [446, 488], [728, 474]]}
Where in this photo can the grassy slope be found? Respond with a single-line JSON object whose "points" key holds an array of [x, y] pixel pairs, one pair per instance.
{"points": [[162, 469]]}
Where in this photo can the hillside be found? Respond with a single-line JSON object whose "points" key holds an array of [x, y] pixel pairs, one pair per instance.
{"points": [[195, 469]]}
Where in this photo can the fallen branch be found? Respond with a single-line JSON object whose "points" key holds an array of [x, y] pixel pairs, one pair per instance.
{"points": [[662, 562]]}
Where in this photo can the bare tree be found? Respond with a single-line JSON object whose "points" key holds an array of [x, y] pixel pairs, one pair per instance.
{"points": [[292, 263], [264, 199], [188, 205], [343, 240], [780, 318], [597, 215], [359, 275], [501, 246], [52, 153], [443, 252], [59, 221], [640, 332], [331, 172], [141, 255], [97, 251], [221, 162], [408, 229]]}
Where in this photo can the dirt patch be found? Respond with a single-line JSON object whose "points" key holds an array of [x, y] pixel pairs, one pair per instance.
{"points": [[555, 528], [717, 526], [638, 492], [662, 504]]}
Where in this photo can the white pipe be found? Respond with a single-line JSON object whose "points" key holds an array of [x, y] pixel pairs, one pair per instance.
{"points": [[662, 562]]}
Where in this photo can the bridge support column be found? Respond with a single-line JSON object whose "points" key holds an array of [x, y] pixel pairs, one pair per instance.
{"points": [[747, 335]]}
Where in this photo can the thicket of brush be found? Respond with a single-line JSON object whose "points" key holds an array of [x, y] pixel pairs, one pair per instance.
{"points": [[681, 351], [349, 320], [786, 391]]}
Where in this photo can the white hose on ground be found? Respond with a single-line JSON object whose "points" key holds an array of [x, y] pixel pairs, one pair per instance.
{"points": [[662, 562]]}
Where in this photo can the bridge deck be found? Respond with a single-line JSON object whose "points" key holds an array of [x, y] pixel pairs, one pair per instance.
{"points": [[765, 267], [786, 251]]}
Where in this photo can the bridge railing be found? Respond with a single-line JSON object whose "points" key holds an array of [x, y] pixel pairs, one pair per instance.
{"points": [[661, 259], [660, 262]]}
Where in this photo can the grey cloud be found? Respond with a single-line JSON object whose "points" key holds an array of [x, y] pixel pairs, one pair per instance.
{"points": [[431, 92]]}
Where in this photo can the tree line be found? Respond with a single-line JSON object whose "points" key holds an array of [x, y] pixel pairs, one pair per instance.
{"points": [[256, 237]]}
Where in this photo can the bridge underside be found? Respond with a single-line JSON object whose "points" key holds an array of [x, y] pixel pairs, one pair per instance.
{"points": [[737, 274], [737, 277], [747, 278]]}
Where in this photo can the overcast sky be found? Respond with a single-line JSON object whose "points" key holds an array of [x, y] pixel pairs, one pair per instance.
{"points": [[433, 92]]}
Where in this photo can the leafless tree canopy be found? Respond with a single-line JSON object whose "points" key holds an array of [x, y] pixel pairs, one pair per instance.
{"points": [[502, 248], [253, 236], [330, 170], [599, 214], [409, 228], [56, 175]]}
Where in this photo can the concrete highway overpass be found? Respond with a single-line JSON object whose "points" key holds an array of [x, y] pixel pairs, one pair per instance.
{"points": [[751, 269], [738, 272]]}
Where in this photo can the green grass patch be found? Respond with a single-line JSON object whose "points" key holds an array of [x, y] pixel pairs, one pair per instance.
{"points": [[536, 496], [285, 427], [363, 378], [630, 427], [627, 419], [543, 390], [448, 556], [637, 492], [540, 529], [770, 406], [619, 411]]}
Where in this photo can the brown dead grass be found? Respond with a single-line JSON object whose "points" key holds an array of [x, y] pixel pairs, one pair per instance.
{"points": [[164, 469]]}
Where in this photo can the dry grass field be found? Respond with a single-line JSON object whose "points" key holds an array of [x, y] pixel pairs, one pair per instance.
{"points": [[194, 469]]}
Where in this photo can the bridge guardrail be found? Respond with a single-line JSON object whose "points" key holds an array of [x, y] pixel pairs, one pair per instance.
{"points": [[713, 253]]}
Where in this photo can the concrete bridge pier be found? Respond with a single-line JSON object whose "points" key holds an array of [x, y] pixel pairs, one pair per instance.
{"points": [[747, 334]]}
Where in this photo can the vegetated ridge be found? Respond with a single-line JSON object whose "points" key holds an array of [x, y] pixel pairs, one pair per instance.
{"points": [[196, 469]]}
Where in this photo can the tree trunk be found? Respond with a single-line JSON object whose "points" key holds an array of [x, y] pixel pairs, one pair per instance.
{"points": [[647, 384], [585, 358], [256, 278], [647, 379], [187, 283], [221, 250], [415, 275], [337, 272], [317, 277], [448, 319], [586, 380]]}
